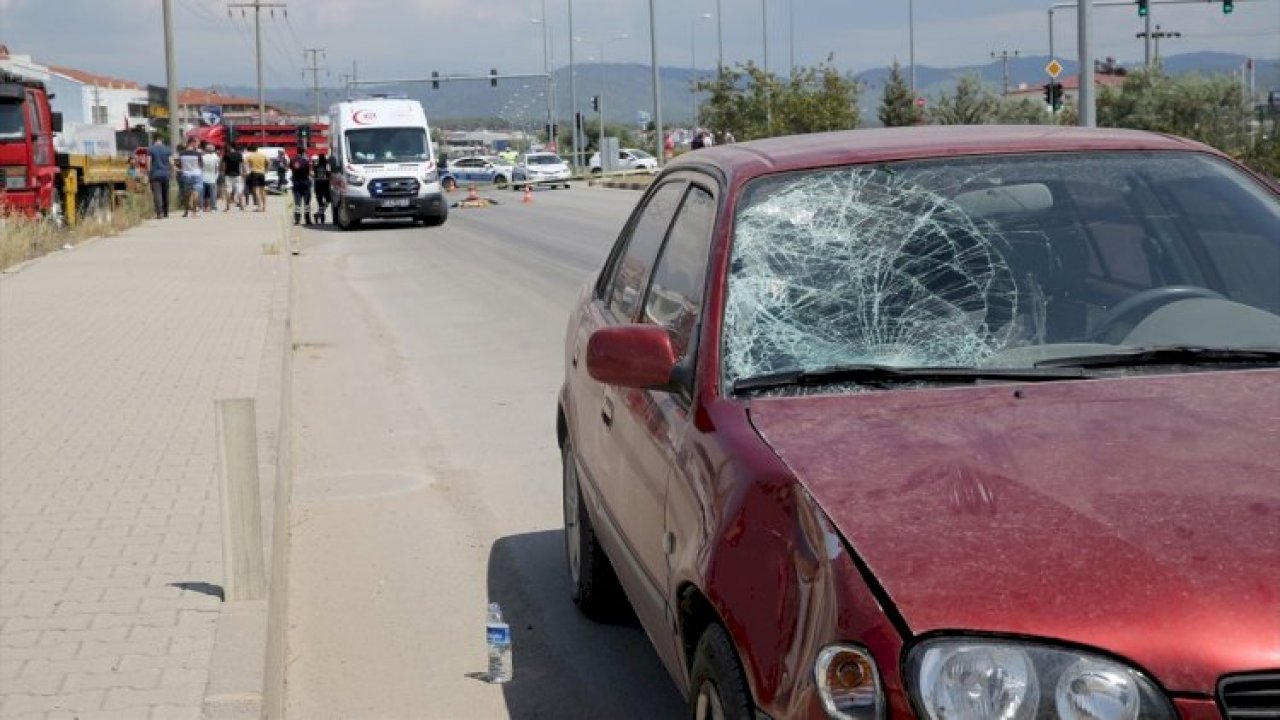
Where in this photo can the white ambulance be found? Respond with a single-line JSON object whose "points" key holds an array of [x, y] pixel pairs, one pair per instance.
{"points": [[382, 164]]}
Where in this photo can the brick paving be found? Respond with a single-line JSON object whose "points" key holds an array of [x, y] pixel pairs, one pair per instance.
{"points": [[111, 357]]}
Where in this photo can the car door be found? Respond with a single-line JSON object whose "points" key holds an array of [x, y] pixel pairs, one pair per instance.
{"points": [[595, 407]]}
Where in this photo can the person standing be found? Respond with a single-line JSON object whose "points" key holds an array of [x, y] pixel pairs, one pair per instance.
{"points": [[300, 167], [320, 171], [192, 178], [282, 165], [210, 176], [158, 173], [233, 180], [257, 178]]}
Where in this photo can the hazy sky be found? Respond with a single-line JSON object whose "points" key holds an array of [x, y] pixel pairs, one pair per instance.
{"points": [[410, 38]]}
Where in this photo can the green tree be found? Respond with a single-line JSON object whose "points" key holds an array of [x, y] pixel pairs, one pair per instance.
{"points": [[971, 104], [1022, 112], [897, 106], [817, 99], [1211, 109]]}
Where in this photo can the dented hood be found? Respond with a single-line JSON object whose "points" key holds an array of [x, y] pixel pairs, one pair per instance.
{"points": [[1139, 515]]}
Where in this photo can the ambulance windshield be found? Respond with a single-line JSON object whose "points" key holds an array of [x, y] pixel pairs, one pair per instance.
{"points": [[383, 145]]}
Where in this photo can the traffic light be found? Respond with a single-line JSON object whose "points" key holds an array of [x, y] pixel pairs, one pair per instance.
{"points": [[1048, 93], [577, 118], [435, 80], [1144, 7], [595, 103], [1227, 7], [304, 136], [1055, 95], [493, 77]]}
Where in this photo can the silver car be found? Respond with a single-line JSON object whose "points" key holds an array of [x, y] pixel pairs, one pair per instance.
{"points": [[541, 168]]}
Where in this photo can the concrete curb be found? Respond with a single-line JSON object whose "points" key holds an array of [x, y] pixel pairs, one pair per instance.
{"points": [[620, 184], [240, 671]]}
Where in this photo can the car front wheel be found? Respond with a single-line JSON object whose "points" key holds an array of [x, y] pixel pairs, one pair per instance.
{"points": [[718, 687], [596, 591]]}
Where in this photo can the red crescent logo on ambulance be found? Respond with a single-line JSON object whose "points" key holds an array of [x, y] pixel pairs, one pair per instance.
{"points": [[364, 117]]}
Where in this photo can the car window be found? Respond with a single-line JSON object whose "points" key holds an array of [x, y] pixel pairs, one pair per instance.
{"points": [[631, 273], [675, 294]]}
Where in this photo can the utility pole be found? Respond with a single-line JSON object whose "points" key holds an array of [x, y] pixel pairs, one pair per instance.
{"points": [[1156, 35], [314, 69], [1004, 60], [257, 6], [171, 75], [1088, 107]]}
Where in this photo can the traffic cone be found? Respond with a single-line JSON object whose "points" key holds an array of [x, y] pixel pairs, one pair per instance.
{"points": [[528, 195], [471, 192]]}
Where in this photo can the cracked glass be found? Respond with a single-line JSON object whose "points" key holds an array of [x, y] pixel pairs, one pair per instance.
{"points": [[997, 261]]}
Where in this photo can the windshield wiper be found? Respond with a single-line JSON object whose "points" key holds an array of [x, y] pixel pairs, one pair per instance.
{"points": [[888, 374], [1169, 355]]}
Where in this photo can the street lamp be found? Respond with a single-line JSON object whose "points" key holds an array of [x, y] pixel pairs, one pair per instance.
{"points": [[546, 71], [602, 44], [693, 63]]}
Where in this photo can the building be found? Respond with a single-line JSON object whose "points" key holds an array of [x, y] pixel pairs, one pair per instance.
{"points": [[192, 103], [1070, 88]]}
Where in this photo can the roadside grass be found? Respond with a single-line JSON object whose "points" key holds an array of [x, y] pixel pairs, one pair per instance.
{"points": [[24, 238]]}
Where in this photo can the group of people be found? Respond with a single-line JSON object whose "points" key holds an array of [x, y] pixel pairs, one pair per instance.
{"points": [[207, 175]]}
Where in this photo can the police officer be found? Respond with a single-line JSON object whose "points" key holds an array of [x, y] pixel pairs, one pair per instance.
{"points": [[300, 167]]}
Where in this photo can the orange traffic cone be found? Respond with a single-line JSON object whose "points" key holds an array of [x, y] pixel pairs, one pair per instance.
{"points": [[528, 195], [471, 192]]}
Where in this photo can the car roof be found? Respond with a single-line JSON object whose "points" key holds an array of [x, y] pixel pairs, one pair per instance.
{"points": [[795, 152]]}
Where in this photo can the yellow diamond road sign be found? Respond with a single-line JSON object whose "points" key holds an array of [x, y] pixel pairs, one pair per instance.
{"points": [[1054, 68]]}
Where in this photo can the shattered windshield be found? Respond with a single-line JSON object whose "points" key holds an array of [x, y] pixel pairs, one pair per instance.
{"points": [[999, 261]]}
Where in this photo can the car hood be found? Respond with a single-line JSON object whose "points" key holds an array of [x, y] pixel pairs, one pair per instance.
{"points": [[1138, 515]]}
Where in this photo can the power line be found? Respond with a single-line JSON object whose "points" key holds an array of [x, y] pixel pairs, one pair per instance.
{"points": [[315, 69]]}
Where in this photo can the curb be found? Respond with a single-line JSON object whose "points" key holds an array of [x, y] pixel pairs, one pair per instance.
{"points": [[619, 184]]}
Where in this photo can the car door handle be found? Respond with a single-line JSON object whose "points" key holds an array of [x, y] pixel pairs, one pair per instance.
{"points": [[606, 413]]}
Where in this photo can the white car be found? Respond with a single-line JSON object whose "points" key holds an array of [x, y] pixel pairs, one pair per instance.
{"points": [[482, 168], [541, 168], [629, 160]]}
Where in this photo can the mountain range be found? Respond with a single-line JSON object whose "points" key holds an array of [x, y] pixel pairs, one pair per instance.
{"points": [[625, 89]]}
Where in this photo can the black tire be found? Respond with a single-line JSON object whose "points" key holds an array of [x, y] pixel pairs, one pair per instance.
{"points": [[596, 171], [718, 688], [500, 181], [435, 220], [596, 591], [342, 217]]}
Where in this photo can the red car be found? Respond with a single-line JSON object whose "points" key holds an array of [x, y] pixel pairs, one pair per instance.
{"points": [[968, 422]]}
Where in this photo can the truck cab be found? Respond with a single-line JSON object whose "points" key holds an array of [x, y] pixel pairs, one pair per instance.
{"points": [[382, 163], [28, 160]]}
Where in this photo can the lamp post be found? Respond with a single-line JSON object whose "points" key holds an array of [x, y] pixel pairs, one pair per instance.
{"points": [[657, 88], [546, 71], [719, 37], [911, 43], [602, 44], [693, 62], [573, 92]]}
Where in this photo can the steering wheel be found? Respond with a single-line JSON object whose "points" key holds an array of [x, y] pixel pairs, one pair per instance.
{"points": [[1146, 302]]}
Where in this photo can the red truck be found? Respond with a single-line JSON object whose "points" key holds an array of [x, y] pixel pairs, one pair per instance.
{"points": [[36, 179]]}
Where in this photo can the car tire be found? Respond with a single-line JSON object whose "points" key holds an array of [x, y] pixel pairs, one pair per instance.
{"points": [[718, 688], [596, 171], [435, 220], [596, 590], [500, 181]]}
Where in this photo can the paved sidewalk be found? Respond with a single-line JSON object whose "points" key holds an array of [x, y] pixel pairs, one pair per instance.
{"points": [[111, 357]]}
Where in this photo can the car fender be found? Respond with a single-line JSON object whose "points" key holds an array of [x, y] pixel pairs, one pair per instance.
{"points": [[774, 570]]}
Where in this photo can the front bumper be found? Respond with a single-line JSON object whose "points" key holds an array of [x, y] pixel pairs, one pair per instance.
{"points": [[362, 208]]}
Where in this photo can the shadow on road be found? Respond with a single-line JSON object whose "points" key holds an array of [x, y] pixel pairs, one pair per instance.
{"points": [[566, 666]]}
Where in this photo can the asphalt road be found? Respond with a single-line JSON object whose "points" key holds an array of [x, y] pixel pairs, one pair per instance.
{"points": [[427, 479]]}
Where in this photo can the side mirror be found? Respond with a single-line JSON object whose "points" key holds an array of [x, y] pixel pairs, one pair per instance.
{"points": [[56, 122], [636, 356]]}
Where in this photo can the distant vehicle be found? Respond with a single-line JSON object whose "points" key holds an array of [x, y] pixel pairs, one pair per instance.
{"points": [[273, 182], [541, 168], [936, 423], [36, 178], [382, 164], [629, 160], [482, 168]]}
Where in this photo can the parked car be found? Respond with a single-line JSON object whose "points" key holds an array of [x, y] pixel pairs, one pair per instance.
{"points": [[938, 422], [629, 160], [541, 168], [482, 168]]}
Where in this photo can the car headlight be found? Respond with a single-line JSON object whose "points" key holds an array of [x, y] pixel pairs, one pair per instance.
{"points": [[353, 179], [972, 678], [848, 683], [430, 176]]}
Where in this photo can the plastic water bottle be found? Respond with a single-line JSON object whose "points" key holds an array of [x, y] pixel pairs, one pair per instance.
{"points": [[498, 637]]}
